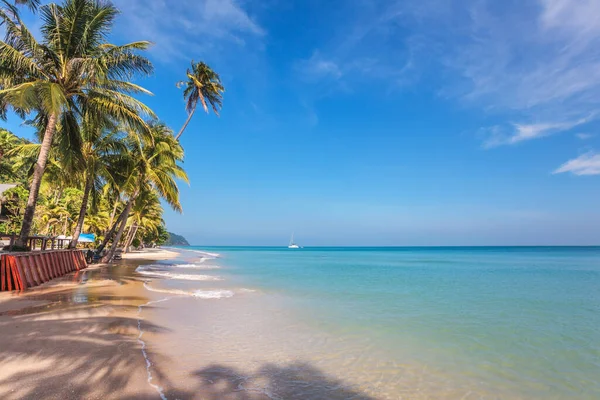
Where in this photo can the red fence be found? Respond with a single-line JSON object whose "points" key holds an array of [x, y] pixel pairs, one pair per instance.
{"points": [[19, 271]]}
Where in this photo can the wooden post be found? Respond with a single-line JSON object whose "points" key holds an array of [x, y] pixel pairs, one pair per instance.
{"points": [[19, 276], [22, 267], [61, 272], [40, 265], [3, 273], [9, 271]]}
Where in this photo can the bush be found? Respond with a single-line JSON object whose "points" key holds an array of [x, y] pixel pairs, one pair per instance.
{"points": [[136, 243], [16, 248]]}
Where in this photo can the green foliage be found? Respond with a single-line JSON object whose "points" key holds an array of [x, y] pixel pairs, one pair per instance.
{"points": [[176, 240], [74, 87], [17, 249], [203, 85], [14, 201], [136, 242], [13, 168]]}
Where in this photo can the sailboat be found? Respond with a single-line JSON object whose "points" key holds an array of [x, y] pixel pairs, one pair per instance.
{"points": [[292, 244]]}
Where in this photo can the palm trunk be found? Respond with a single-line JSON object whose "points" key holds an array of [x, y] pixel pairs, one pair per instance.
{"points": [[84, 202], [38, 173], [114, 212], [111, 231], [132, 233], [186, 124], [111, 253]]}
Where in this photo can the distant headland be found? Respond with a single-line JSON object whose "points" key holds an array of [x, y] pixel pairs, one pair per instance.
{"points": [[176, 240]]}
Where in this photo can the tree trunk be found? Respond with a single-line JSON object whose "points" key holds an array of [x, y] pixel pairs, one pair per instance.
{"points": [[115, 244], [110, 232], [134, 230], [186, 124], [38, 173], [114, 212], [84, 202]]}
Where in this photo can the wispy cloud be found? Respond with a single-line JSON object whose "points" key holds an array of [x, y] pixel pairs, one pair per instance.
{"points": [[181, 29], [317, 67], [586, 164], [584, 136], [498, 135], [527, 62]]}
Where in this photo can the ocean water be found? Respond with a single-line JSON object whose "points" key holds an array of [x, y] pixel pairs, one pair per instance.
{"points": [[385, 323]]}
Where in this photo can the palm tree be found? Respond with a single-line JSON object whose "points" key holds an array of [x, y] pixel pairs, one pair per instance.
{"points": [[203, 85], [101, 149], [154, 166], [146, 216], [73, 71]]}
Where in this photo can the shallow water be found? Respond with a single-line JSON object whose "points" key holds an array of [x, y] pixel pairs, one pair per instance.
{"points": [[383, 323]]}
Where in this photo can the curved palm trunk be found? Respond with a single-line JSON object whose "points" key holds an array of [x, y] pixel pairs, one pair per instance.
{"points": [[111, 253], [186, 124], [112, 216], [38, 173], [84, 203], [111, 232], [130, 237]]}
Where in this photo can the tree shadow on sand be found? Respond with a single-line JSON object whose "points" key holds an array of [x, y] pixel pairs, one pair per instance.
{"points": [[80, 353], [295, 381]]}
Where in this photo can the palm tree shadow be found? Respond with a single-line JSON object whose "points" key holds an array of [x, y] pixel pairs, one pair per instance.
{"points": [[298, 380]]}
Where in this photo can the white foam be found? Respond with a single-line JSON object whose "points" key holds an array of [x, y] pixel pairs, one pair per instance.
{"points": [[202, 294], [195, 266], [213, 294], [153, 272], [214, 255]]}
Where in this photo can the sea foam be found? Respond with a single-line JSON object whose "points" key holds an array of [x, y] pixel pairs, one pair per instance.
{"points": [[206, 253], [201, 294], [195, 266], [160, 273]]}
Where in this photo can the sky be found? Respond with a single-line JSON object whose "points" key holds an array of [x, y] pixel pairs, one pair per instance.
{"points": [[382, 122]]}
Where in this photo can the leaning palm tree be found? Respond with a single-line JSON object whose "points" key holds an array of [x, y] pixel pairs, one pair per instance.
{"points": [[101, 148], [146, 216], [203, 85], [72, 71], [154, 166]]}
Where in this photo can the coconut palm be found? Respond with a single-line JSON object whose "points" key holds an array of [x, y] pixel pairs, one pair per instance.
{"points": [[203, 85], [145, 218], [102, 147], [154, 165], [71, 72]]}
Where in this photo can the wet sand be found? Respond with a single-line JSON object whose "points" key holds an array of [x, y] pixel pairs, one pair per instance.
{"points": [[77, 337]]}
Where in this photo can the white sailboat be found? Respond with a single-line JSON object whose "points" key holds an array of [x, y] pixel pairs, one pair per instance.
{"points": [[292, 244]]}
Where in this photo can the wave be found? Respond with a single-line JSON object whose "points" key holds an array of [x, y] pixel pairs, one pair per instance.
{"points": [[149, 271], [195, 266], [206, 253], [202, 294]]}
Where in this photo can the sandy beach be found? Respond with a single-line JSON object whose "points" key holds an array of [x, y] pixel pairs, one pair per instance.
{"points": [[77, 337]]}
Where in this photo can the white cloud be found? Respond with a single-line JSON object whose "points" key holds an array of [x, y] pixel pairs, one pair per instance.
{"points": [[498, 136], [537, 60], [184, 28], [586, 164], [584, 136]]}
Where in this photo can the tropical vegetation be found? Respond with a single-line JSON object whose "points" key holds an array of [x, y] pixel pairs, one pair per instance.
{"points": [[102, 162]]}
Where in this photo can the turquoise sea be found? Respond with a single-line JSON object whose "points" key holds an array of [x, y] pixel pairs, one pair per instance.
{"points": [[470, 322]]}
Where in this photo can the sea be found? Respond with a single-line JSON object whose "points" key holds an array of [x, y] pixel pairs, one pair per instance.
{"points": [[377, 323]]}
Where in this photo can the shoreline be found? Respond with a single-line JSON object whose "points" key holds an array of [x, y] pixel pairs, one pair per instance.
{"points": [[77, 336]]}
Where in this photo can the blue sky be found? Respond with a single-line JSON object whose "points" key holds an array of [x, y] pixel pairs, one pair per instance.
{"points": [[362, 122]]}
